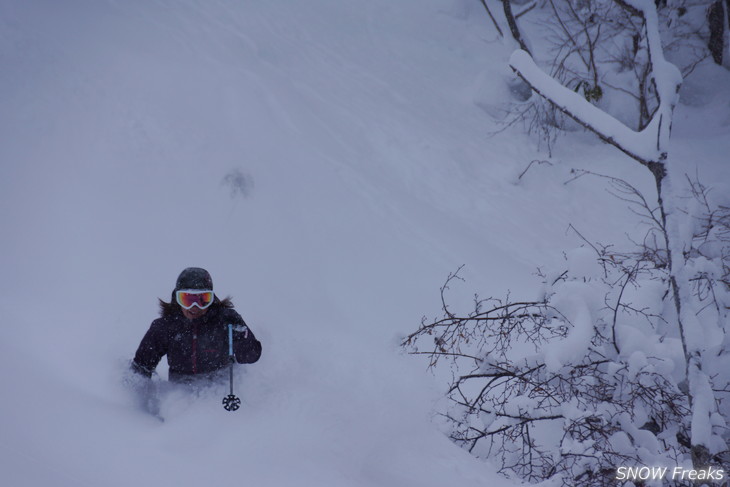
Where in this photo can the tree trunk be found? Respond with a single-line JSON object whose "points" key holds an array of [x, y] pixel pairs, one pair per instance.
{"points": [[716, 22], [512, 22], [727, 27]]}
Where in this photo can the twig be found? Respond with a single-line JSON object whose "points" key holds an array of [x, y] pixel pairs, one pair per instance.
{"points": [[530, 165], [494, 21]]}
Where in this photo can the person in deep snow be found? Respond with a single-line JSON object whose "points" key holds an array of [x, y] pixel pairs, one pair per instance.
{"points": [[192, 331]]}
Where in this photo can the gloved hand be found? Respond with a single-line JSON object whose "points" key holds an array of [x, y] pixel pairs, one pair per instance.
{"points": [[144, 391]]}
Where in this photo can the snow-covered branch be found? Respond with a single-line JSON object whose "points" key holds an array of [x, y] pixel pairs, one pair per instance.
{"points": [[648, 146], [582, 111]]}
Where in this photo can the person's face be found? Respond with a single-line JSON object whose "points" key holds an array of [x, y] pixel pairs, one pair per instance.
{"points": [[194, 312]]}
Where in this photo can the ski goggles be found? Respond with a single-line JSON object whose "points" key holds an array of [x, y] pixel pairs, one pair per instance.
{"points": [[187, 298]]}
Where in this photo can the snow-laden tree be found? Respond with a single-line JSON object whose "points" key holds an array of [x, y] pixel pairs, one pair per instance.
{"points": [[624, 362], [595, 48], [650, 147]]}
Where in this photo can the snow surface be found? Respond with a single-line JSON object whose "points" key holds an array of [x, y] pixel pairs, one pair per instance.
{"points": [[361, 131]]}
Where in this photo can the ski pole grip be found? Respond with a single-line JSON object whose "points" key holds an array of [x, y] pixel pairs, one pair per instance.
{"points": [[230, 340]]}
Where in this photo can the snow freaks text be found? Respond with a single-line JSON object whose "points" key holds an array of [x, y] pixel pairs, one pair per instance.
{"points": [[677, 473]]}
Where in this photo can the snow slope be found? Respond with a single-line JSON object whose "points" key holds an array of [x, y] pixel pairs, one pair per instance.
{"points": [[361, 131]]}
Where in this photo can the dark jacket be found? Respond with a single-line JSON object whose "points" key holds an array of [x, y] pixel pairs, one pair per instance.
{"points": [[195, 347]]}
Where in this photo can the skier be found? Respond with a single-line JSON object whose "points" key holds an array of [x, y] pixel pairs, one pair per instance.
{"points": [[193, 332]]}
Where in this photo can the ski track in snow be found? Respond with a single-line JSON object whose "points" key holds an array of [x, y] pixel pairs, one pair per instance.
{"points": [[364, 130]]}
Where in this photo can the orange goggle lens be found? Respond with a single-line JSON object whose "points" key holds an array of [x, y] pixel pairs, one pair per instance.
{"points": [[189, 298]]}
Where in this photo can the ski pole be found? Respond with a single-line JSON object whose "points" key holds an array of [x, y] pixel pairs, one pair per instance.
{"points": [[231, 402]]}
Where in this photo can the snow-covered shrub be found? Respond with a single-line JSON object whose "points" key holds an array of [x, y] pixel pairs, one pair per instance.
{"points": [[593, 376]]}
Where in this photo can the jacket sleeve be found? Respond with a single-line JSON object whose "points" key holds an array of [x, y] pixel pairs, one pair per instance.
{"points": [[151, 350], [245, 345]]}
